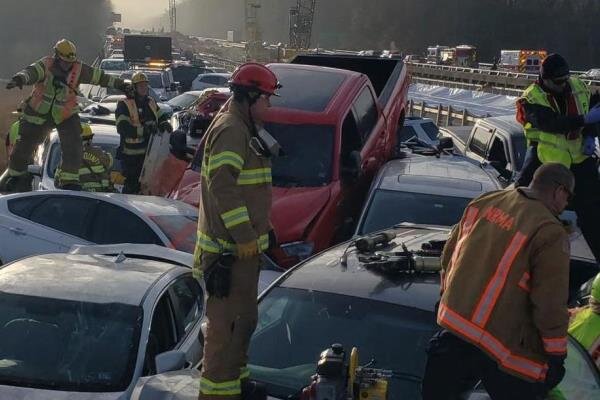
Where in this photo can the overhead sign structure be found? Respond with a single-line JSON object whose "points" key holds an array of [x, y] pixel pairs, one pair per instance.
{"points": [[116, 17]]}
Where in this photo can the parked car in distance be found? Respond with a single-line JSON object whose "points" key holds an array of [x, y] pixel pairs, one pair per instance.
{"points": [[186, 73], [424, 189], [52, 221], [337, 126], [498, 141], [89, 325], [114, 66], [345, 297], [161, 80], [205, 81], [117, 53]]}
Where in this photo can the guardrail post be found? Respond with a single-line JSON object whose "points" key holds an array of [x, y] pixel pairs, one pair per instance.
{"points": [[439, 114], [449, 119], [411, 105], [422, 111], [464, 117]]}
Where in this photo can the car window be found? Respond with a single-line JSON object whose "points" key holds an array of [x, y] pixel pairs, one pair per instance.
{"points": [[407, 133], [221, 80], [366, 113], [129, 229], [498, 154], [351, 140], [25, 205], [210, 79], [163, 333], [188, 304], [431, 130], [68, 214], [480, 140]]}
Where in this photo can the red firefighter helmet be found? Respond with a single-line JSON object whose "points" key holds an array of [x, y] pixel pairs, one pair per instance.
{"points": [[255, 76]]}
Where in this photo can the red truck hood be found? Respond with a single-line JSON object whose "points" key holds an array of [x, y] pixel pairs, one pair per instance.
{"points": [[294, 209]]}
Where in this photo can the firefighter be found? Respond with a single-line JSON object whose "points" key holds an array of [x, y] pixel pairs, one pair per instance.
{"points": [[503, 310], [233, 229], [94, 174], [53, 103], [560, 127], [138, 117], [585, 323]]}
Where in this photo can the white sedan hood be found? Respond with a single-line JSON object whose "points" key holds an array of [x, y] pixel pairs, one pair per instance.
{"points": [[21, 393]]}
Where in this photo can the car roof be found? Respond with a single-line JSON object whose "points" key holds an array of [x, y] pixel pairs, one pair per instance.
{"points": [[325, 273], [507, 123], [449, 175], [89, 278], [222, 74], [199, 93]]}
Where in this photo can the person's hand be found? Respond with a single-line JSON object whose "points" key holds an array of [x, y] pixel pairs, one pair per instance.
{"points": [[16, 81], [247, 250], [556, 371], [592, 117], [217, 277], [589, 145]]}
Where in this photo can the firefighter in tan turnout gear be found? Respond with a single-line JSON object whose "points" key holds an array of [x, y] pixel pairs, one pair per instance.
{"points": [[504, 294], [53, 103], [94, 174], [233, 229]]}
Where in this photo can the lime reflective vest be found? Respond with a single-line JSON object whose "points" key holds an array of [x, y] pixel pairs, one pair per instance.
{"points": [[553, 147], [56, 97], [585, 327], [13, 134]]}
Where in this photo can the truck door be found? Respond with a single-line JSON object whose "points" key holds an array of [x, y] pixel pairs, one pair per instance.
{"points": [[372, 132]]}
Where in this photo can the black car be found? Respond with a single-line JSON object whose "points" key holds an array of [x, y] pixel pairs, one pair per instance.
{"points": [[384, 308], [185, 74]]}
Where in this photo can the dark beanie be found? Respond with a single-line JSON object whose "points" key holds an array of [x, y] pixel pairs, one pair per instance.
{"points": [[554, 66]]}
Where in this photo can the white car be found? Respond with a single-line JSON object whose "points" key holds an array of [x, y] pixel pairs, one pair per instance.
{"points": [[205, 81], [423, 130], [117, 53], [87, 325], [114, 66], [53, 221], [49, 156], [161, 81]]}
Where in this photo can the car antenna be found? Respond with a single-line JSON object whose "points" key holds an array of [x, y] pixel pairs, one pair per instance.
{"points": [[120, 258]]}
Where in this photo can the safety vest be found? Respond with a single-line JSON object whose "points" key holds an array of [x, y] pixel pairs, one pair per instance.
{"points": [[554, 147], [137, 145], [56, 97], [585, 327], [13, 134], [94, 175]]}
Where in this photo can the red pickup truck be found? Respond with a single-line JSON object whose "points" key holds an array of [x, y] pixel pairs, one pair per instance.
{"points": [[336, 120]]}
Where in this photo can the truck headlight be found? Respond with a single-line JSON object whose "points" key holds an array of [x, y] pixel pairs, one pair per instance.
{"points": [[301, 250]]}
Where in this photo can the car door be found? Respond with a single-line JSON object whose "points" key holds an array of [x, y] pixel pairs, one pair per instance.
{"points": [[188, 304], [45, 224], [372, 132], [162, 336], [112, 224]]}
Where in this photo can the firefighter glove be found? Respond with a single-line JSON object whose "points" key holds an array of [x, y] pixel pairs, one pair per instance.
{"points": [[556, 371], [589, 145], [16, 81], [165, 126], [247, 250], [217, 276], [592, 117]]}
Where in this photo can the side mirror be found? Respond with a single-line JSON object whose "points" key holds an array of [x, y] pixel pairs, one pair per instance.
{"points": [[170, 361], [35, 170], [446, 143]]}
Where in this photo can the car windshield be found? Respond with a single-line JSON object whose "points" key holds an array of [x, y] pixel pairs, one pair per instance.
{"points": [[308, 149], [431, 130], [296, 325], [390, 207], [114, 65], [55, 157], [179, 229], [67, 345], [183, 101]]}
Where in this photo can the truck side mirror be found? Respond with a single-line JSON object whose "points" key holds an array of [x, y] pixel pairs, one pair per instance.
{"points": [[446, 143]]}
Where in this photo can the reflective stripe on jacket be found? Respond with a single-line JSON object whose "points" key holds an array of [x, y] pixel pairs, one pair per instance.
{"points": [[505, 282], [94, 174], [235, 203], [134, 138], [553, 147]]}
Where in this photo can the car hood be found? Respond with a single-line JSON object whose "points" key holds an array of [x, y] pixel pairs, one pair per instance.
{"points": [[22, 393], [295, 208]]}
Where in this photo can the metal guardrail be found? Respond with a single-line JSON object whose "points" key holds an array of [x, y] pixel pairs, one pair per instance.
{"points": [[443, 115]]}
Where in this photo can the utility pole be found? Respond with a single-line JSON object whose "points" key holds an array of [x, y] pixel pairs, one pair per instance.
{"points": [[173, 15], [301, 22], [253, 33]]}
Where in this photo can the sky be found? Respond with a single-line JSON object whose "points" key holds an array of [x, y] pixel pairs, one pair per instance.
{"points": [[134, 12]]}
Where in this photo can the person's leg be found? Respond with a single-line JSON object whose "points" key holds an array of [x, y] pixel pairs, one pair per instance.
{"points": [[531, 163], [452, 369], [132, 169], [69, 132], [504, 386], [587, 202]]}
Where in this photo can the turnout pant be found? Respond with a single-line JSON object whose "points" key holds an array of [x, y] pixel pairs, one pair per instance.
{"points": [[32, 135], [586, 202], [231, 322], [132, 169], [455, 367]]}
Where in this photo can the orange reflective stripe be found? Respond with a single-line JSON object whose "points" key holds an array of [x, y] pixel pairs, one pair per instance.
{"points": [[524, 282], [466, 228], [496, 284], [39, 90], [133, 112], [71, 98], [453, 321], [555, 345]]}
